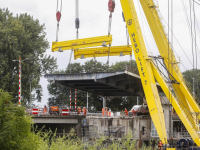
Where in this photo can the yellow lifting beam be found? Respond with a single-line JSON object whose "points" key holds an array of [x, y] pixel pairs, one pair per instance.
{"points": [[144, 67], [166, 52], [82, 43], [176, 103], [103, 51]]}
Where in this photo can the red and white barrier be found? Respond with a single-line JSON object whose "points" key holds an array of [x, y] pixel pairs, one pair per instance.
{"points": [[36, 111], [65, 111], [75, 97], [19, 97]]}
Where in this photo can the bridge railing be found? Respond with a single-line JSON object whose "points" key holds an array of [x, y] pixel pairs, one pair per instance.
{"points": [[47, 111]]}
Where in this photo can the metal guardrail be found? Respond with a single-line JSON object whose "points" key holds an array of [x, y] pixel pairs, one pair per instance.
{"points": [[180, 135]]}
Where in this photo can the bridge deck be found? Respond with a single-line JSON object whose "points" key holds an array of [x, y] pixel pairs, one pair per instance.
{"points": [[57, 119], [102, 83]]}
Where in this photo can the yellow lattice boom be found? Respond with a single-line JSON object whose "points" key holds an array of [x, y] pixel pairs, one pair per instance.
{"points": [[103, 51], [81, 43]]}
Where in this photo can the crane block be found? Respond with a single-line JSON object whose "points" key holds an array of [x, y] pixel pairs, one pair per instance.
{"points": [[103, 51], [82, 43]]}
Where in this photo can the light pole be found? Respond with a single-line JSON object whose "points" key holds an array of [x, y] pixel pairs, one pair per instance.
{"points": [[30, 93], [20, 73], [87, 100]]}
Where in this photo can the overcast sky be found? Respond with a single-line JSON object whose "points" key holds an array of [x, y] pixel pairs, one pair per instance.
{"points": [[93, 16]]}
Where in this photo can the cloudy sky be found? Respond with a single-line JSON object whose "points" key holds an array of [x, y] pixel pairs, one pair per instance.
{"points": [[93, 16]]}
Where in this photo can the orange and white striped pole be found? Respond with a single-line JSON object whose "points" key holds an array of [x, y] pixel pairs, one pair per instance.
{"points": [[20, 71], [75, 97]]}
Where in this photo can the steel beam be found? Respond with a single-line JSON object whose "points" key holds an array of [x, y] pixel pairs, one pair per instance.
{"points": [[103, 51], [81, 43]]}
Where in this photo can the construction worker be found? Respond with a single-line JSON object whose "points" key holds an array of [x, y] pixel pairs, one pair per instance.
{"points": [[45, 109], [160, 145], [78, 110], [122, 113], [84, 111], [126, 112], [109, 113], [133, 112], [103, 110], [106, 111]]}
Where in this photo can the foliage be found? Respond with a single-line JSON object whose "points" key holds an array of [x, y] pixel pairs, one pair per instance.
{"points": [[15, 127], [189, 75], [16, 133], [130, 66], [59, 94], [23, 36], [71, 142]]}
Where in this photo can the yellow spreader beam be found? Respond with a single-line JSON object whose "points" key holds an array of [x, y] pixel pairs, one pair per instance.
{"points": [[81, 43], [103, 51]]}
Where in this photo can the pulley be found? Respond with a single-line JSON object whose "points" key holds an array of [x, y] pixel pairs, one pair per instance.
{"points": [[77, 23], [111, 5], [58, 16]]}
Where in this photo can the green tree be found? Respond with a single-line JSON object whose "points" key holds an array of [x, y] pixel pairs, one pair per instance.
{"points": [[94, 66], [23, 36], [15, 126], [130, 66], [189, 75]]}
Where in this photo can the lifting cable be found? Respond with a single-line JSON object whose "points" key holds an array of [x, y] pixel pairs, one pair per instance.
{"points": [[77, 24], [111, 7], [127, 37], [195, 33], [58, 16], [191, 32]]}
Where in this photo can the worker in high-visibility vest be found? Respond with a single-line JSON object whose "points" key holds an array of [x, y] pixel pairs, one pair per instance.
{"points": [[45, 109], [84, 111], [109, 113], [126, 112], [106, 111], [103, 111], [133, 112], [78, 110], [160, 144]]}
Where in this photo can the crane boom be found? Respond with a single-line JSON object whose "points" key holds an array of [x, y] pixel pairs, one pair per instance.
{"points": [[144, 67], [182, 100], [166, 52]]}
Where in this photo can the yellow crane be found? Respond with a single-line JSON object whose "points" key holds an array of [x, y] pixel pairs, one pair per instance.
{"points": [[179, 95]]}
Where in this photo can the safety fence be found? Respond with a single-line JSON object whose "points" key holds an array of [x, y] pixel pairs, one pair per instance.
{"points": [[54, 111]]}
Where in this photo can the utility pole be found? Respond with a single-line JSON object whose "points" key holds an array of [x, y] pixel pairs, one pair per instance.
{"points": [[87, 100], [20, 75], [20, 72], [30, 92], [77, 27]]}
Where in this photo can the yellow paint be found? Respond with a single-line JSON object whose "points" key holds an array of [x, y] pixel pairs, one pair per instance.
{"points": [[183, 115], [103, 51], [82, 43], [144, 67], [151, 12]]}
